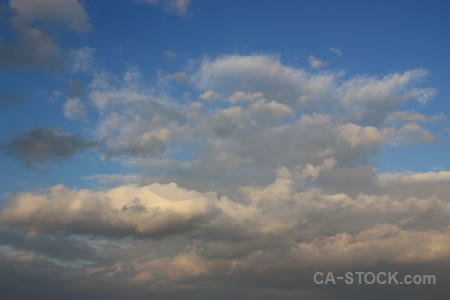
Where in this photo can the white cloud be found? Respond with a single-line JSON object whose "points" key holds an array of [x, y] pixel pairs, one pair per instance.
{"points": [[82, 60], [337, 51], [126, 210], [315, 63]]}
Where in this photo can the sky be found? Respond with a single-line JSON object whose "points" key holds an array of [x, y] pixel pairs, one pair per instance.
{"points": [[193, 149]]}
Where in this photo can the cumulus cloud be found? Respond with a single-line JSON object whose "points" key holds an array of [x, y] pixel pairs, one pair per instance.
{"points": [[252, 107], [273, 176], [279, 228], [364, 100], [126, 210], [42, 143]]}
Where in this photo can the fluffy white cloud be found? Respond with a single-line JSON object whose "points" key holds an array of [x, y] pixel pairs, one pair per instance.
{"points": [[126, 210]]}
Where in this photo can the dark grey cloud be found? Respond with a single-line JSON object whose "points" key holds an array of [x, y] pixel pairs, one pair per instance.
{"points": [[57, 246], [31, 48], [42, 143], [12, 98]]}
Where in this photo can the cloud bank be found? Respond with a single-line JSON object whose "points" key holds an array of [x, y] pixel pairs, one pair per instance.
{"points": [[258, 179]]}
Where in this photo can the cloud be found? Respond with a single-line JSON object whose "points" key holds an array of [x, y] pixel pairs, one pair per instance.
{"points": [[123, 211], [9, 99], [266, 183], [74, 109], [31, 46], [82, 60], [176, 7], [411, 116], [180, 77], [315, 63], [279, 229], [65, 248], [271, 108], [336, 51], [242, 96], [42, 143], [255, 107], [209, 95], [69, 13], [367, 136], [134, 122]]}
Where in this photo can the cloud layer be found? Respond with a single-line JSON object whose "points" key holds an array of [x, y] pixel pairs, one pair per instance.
{"points": [[257, 175]]}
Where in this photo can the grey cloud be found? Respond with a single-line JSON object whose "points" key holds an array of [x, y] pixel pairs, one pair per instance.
{"points": [[282, 192], [9, 99], [62, 247], [274, 237], [69, 13], [42, 143], [32, 48]]}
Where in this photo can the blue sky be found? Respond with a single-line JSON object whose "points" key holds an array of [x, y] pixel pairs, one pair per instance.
{"points": [[232, 133]]}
